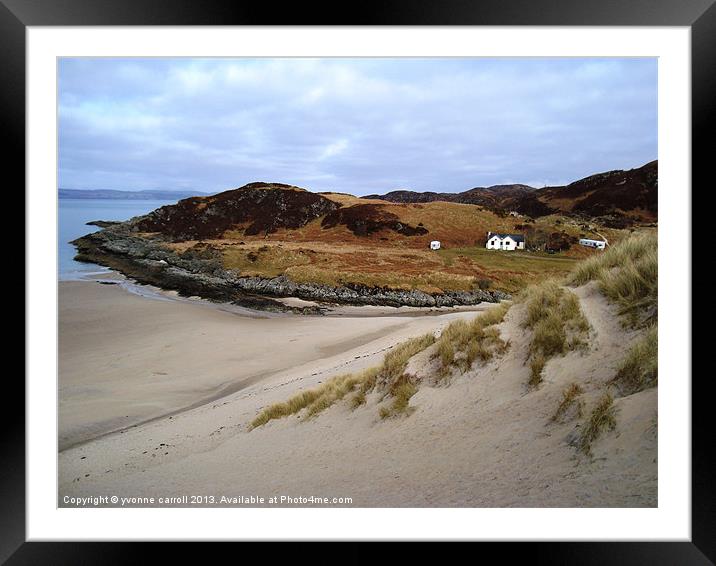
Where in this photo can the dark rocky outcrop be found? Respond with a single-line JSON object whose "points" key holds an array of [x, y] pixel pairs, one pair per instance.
{"points": [[362, 295], [407, 197], [366, 219], [258, 208], [533, 207], [147, 262]]}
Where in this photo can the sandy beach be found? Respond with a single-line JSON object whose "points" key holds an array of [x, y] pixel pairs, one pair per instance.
{"points": [[125, 358], [191, 377]]}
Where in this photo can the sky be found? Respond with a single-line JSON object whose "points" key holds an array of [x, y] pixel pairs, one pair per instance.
{"points": [[351, 125]]}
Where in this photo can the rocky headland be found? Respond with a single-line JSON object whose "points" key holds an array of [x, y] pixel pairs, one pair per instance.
{"points": [[199, 272]]}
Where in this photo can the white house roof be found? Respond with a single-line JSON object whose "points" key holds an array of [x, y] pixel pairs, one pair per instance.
{"points": [[515, 237]]}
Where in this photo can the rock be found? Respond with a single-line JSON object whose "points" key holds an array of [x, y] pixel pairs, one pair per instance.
{"points": [[200, 272], [501, 296]]}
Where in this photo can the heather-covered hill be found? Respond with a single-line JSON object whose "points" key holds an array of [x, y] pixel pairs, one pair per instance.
{"points": [[631, 194], [618, 198], [495, 197], [259, 208]]}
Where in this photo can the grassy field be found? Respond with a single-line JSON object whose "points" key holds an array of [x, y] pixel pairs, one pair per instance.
{"points": [[462, 269], [509, 271]]}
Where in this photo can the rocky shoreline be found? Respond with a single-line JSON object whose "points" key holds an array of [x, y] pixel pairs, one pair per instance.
{"points": [[200, 272]]}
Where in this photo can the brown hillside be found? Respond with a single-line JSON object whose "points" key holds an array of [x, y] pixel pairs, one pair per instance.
{"points": [[262, 208], [495, 197], [618, 197], [632, 194]]}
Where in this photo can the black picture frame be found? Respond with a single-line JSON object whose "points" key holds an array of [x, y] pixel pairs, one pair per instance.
{"points": [[699, 15]]}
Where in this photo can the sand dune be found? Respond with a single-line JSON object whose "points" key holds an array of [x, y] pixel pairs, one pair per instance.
{"points": [[483, 439]]}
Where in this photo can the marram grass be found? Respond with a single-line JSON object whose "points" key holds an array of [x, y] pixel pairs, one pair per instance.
{"points": [[639, 368], [462, 343], [601, 418], [557, 322], [627, 274], [389, 377]]}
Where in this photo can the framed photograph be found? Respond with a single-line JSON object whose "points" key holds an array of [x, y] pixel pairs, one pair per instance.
{"points": [[390, 279]]}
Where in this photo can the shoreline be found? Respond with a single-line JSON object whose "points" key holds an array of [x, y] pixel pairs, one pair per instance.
{"points": [[131, 354], [201, 273], [153, 292]]}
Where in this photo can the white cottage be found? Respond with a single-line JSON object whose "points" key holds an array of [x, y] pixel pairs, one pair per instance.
{"points": [[497, 241], [435, 245], [599, 244]]}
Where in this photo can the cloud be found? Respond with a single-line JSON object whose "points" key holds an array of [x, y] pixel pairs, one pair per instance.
{"points": [[332, 149], [354, 125]]}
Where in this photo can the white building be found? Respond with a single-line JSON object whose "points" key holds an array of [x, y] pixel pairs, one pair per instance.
{"points": [[435, 245], [505, 241], [599, 244]]}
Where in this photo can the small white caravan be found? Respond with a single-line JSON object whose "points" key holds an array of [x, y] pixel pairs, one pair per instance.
{"points": [[599, 244]]}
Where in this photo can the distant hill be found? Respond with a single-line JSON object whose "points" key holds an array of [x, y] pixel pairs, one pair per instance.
{"points": [[497, 196], [618, 197], [111, 194]]}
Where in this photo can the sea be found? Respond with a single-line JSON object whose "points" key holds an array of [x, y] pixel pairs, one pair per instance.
{"points": [[72, 223]]}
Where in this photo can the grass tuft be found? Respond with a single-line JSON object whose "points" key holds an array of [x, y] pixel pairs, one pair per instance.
{"points": [[557, 322], [319, 399], [396, 360], [639, 369], [401, 401], [334, 391], [358, 399], [537, 363], [602, 418], [549, 337], [570, 398], [446, 351], [462, 342], [389, 376], [290, 407]]}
